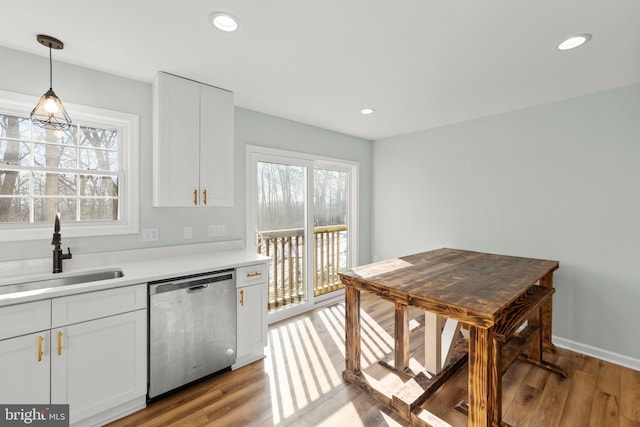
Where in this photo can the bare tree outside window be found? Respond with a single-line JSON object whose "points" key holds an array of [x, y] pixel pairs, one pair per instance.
{"points": [[43, 172], [281, 196], [330, 197]]}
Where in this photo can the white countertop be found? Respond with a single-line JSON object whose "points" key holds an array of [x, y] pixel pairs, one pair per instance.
{"points": [[138, 266]]}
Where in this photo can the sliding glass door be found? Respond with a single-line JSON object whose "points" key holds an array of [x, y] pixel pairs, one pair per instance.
{"points": [[281, 219], [300, 213], [330, 230]]}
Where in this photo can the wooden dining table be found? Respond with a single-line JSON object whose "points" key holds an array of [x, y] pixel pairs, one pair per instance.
{"points": [[491, 295]]}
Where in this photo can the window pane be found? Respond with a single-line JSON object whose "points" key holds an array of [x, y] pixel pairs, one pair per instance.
{"points": [[98, 209], [15, 127], [281, 196], [14, 153], [95, 185], [55, 136], [54, 184], [55, 156], [46, 208], [330, 197], [14, 209], [281, 220], [330, 207], [93, 159], [99, 138], [14, 183]]}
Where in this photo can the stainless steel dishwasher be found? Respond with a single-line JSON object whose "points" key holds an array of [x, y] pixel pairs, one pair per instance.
{"points": [[192, 329]]}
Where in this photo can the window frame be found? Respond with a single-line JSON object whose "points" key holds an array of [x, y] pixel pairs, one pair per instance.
{"points": [[128, 146]]}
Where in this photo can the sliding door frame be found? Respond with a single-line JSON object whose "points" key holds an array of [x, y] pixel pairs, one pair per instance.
{"points": [[255, 154]]}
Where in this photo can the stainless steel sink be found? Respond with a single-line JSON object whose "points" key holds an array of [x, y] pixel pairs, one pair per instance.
{"points": [[54, 282]]}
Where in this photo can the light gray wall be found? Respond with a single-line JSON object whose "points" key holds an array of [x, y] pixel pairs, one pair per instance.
{"points": [[559, 181], [24, 73]]}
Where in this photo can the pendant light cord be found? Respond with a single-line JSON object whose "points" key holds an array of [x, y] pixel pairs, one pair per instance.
{"points": [[50, 69]]}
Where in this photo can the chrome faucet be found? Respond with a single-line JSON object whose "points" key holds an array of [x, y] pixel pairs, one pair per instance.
{"points": [[58, 256]]}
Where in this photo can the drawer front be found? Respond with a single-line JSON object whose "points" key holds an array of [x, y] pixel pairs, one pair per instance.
{"points": [[252, 274], [21, 319], [94, 305]]}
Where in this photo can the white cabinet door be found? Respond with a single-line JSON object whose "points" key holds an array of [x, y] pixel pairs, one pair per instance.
{"points": [[99, 364], [252, 323], [216, 146], [192, 144], [24, 369], [176, 142]]}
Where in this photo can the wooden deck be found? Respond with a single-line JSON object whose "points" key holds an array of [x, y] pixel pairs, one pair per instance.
{"points": [[299, 384], [288, 267]]}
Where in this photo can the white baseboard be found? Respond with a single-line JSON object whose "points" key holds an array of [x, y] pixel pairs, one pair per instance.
{"points": [[609, 356]]}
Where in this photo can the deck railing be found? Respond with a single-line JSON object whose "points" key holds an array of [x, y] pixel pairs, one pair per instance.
{"points": [[286, 248]]}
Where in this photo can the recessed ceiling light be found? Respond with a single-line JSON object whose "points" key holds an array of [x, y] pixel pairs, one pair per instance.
{"points": [[224, 21], [574, 42], [367, 111]]}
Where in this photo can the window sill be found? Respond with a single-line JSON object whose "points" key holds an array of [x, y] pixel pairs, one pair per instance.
{"points": [[67, 231]]}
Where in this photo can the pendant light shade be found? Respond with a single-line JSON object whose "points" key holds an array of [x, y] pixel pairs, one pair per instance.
{"points": [[49, 111]]}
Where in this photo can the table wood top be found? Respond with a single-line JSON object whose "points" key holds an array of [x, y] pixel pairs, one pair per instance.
{"points": [[472, 287]]}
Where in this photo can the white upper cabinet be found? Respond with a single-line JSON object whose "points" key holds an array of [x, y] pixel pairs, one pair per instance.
{"points": [[192, 143]]}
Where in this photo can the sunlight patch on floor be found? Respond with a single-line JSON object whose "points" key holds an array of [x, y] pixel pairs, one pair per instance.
{"points": [[325, 368], [335, 414], [375, 343], [305, 374], [278, 378], [300, 366]]}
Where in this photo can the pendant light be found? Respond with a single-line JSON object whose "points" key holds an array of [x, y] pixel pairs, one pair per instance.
{"points": [[49, 112]]}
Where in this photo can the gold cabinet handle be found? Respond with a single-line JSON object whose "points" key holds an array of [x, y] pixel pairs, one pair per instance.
{"points": [[204, 192], [242, 298], [40, 340], [59, 343], [195, 197], [256, 274]]}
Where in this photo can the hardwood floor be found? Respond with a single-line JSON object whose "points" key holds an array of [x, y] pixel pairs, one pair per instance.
{"points": [[299, 383]]}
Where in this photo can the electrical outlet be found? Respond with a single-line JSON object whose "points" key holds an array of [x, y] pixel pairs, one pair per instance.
{"points": [[187, 233], [217, 230], [150, 234]]}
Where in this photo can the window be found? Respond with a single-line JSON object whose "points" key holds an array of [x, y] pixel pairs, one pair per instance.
{"points": [[87, 174]]}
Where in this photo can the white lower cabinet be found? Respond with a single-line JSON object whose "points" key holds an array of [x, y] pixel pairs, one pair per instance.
{"points": [[251, 291], [90, 353], [100, 364], [251, 334], [24, 353], [25, 369]]}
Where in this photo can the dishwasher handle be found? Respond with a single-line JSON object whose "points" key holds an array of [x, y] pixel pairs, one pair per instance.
{"points": [[192, 284], [197, 288]]}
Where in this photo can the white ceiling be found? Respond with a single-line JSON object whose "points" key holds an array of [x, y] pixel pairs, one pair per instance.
{"points": [[418, 63]]}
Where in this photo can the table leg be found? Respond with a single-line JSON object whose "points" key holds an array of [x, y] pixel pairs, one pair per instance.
{"points": [[546, 320], [401, 351], [485, 400], [536, 344], [433, 342], [495, 383], [352, 329]]}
